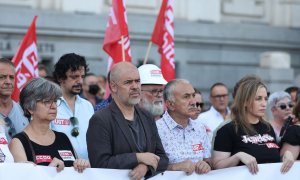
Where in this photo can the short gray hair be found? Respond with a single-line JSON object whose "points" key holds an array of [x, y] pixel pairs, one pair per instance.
{"points": [[170, 87], [277, 96], [35, 90]]}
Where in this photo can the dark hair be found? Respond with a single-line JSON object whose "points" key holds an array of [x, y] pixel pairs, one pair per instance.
{"points": [[291, 89], [68, 61], [217, 84], [197, 91], [7, 61]]}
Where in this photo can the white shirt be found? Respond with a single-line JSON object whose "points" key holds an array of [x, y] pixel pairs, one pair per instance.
{"points": [[211, 119], [83, 112], [4, 146]]}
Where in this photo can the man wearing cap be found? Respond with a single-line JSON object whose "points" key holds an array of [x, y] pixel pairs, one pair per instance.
{"points": [[152, 83]]}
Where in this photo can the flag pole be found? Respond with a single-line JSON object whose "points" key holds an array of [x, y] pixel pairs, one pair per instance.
{"points": [[123, 48], [147, 53]]}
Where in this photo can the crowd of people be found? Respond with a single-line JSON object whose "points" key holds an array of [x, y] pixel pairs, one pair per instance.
{"points": [[147, 125]]}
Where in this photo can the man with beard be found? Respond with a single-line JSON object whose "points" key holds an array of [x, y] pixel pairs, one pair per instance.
{"points": [[10, 111], [74, 112], [123, 135], [152, 83], [90, 89], [186, 144]]}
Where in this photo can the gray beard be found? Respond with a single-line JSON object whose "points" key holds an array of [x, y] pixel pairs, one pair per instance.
{"points": [[155, 109]]}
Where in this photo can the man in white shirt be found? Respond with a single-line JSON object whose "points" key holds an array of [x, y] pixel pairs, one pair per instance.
{"points": [[74, 113], [219, 110]]}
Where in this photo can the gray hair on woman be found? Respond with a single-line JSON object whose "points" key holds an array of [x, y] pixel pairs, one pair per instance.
{"points": [[277, 96], [35, 90], [170, 87]]}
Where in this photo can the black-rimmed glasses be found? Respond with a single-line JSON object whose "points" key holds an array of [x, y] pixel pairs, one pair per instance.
{"points": [[75, 130], [10, 125], [154, 92], [2, 156], [200, 104], [285, 106]]}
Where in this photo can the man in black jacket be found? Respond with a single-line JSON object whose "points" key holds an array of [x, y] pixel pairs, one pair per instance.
{"points": [[123, 136]]}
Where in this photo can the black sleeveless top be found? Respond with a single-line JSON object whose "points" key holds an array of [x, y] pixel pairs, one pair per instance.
{"points": [[61, 148]]}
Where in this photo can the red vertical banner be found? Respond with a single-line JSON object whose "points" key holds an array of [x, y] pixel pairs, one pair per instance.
{"points": [[26, 60], [163, 36], [115, 30]]}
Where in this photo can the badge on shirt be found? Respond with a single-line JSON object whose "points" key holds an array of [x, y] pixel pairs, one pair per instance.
{"points": [[3, 140], [43, 158], [66, 155], [197, 147], [272, 145], [58, 121]]}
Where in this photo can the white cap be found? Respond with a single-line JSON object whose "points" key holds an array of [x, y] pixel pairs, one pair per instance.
{"points": [[151, 74]]}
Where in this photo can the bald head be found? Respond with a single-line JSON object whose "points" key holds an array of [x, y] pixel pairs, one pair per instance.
{"points": [[119, 69], [125, 84]]}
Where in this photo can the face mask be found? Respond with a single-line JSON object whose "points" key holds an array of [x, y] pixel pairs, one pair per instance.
{"points": [[93, 89]]}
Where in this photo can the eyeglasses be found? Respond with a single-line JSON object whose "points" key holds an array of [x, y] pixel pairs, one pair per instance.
{"points": [[154, 92], [284, 106], [10, 125], [200, 104], [48, 102], [75, 130], [219, 96], [2, 156]]}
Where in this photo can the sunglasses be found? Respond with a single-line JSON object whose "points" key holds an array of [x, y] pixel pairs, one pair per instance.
{"points": [[201, 105], [284, 106], [2, 156], [9, 124], [75, 130]]}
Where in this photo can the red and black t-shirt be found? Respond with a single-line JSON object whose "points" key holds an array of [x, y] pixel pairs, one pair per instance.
{"points": [[61, 148], [262, 145]]}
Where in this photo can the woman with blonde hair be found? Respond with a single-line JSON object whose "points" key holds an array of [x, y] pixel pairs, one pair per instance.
{"points": [[249, 139]]}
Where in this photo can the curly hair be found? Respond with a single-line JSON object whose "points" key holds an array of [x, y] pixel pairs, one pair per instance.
{"points": [[68, 61]]}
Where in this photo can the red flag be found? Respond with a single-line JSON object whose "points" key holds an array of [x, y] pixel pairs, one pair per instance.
{"points": [[25, 60], [116, 28], [163, 36]]}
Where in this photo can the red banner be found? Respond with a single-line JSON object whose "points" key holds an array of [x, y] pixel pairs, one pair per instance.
{"points": [[163, 36], [117, 28], [26, 60]]}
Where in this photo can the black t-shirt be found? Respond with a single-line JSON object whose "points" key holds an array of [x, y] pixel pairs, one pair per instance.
{"points": [[61, 148], [138, 133], [292, 136], [262, 146]]}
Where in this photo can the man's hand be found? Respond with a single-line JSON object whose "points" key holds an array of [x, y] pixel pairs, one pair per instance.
{"points": [[138, 172], [148, 159], [187, 166], [202, 167]]}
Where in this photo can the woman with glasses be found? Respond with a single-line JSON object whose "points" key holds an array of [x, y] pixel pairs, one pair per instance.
{"points": [[38, 143], [281, 106], [291, 139], [5, 155], [249, 139]]}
